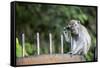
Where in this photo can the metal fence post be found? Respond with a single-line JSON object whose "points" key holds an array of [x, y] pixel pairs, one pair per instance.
{"points": [[50, 39], [62, 51], [23, 44], [38, 44]]}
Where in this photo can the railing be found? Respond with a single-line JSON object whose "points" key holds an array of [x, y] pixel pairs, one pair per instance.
{"points": [[47, 58], [38, 43]]}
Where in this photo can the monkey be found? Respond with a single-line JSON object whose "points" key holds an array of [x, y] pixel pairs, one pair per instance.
{"points": [[78, 36]]}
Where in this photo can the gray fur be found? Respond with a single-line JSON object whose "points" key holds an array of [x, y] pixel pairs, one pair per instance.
{"points": [[79, 37]]}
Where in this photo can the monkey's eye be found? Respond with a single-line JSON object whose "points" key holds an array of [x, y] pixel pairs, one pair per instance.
{"points": [[75, 24]]}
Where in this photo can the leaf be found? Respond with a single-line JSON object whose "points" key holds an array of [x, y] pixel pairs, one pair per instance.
{"points": [[18, 49]]}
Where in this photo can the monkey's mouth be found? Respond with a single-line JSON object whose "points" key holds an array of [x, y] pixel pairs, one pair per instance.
{"points": [[74, 31]]}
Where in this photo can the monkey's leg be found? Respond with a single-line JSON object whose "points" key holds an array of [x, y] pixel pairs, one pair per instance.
{"points": [[85, 50], [73, 47], [77, 50]]}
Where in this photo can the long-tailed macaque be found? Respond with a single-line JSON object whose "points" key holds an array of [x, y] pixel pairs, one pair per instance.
{"points": [[79, 37]]}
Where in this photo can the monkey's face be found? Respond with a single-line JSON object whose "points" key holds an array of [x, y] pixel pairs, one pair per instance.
{"points": [[73, 26]]}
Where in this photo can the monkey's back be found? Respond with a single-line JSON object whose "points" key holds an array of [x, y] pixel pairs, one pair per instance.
{"points": [[85, 35]]}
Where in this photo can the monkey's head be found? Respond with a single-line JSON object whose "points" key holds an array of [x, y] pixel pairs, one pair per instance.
{"points": [[73, 26]]}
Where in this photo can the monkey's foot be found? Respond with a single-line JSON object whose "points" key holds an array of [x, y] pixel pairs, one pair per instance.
{"points": [[72, 53]]}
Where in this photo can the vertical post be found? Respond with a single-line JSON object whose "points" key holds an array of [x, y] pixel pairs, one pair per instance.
{"points": [[38, 44], [62, 44], [23, 44], [71, 43], [50, 38]]}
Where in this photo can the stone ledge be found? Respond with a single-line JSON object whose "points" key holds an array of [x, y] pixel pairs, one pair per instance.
{"points": [[46, 59]]}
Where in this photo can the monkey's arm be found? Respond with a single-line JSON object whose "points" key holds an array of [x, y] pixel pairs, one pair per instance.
{"points": [[73, 47]]}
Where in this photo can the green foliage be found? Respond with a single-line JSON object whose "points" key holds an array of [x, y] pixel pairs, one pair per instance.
{"points": [[30, 49], [18, 49]]}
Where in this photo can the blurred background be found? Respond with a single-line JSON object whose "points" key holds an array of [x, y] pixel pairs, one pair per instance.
{"points": [[45, 19]]}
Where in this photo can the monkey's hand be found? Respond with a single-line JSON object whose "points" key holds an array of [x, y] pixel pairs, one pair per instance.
{"points": [[67, 35]]}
